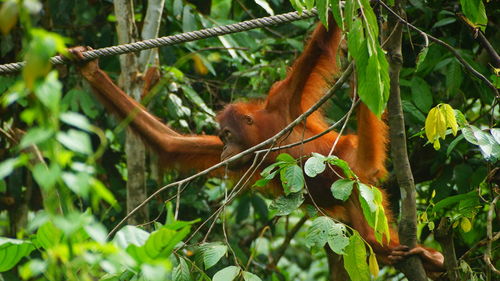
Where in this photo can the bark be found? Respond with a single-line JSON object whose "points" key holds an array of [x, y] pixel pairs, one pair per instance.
{"points": [[129, 82], [411, 267], [149, 31], [444, 235]]}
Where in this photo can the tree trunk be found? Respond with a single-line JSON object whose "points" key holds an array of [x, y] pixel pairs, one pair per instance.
{"points": [[129, 82], [133, 66], [411, 267]]}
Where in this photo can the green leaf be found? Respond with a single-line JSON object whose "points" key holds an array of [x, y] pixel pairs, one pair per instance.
{"points": [[188, 19], [454, 77], [220, 9], [355, 259], [314, 166], [78, 183], [292, 179], [366, 195], [452, 200], [297, 5], [49, 91], [196, 99], [77, 141], [130, 235], [373, 264], [342, 189], [410, 108], [46, 177], [324, 230], [265, 6], [284, 205], [227, 274], [77, 120], [421, 58], [421, 93], [475, 11], [7, 166], [48, 235], [8, 15], [175, 107], [248, 276], [322, 6], [36, 136], [182, 272], [342, 164], [212, 253], [12, 251], [443, 22], [335, 6], [287, 158]]}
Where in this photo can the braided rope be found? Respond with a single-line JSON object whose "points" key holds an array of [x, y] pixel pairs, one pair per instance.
{"points": [[174, 39]]}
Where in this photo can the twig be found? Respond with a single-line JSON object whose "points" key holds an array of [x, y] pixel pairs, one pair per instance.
{"points": [[253, 149], [447, 46], [481, 243], [489, 234], [329, 129], [281, 250], [478, 34]]}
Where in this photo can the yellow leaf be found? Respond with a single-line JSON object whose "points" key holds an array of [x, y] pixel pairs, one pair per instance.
{"points": [[8, 16], [451, 120], [431, 225], [440, 123], [199, 66], [466, 225], [373, 264], [433, 194], [430, 125], [436, 144], [424, 217]]}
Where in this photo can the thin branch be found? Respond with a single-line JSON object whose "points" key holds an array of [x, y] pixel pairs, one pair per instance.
{"points": [[289, 236], [481, 243], [489, 234], [265, 143], [479, 35], [329, 129], [447, 46]]}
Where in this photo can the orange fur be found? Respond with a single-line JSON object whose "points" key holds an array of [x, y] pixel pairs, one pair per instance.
{"points": [[253, 122]]}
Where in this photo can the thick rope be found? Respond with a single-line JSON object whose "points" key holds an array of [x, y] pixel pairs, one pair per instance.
{"points": [[174, 39]]}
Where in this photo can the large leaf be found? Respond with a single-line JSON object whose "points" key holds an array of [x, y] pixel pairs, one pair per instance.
{"points": [[285, 205], [182, 272], [314, 166], [12, 251], [130, 235], [474, 10], [212, 253], [227, 274], [7, 166], [292, 178], [355, 259], [77, 141], [342, 189], [323, 230], [421, 93], [48, 235], [248, 276]]}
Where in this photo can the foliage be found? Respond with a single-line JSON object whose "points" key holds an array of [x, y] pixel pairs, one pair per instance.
{"points": [[58, 144]]}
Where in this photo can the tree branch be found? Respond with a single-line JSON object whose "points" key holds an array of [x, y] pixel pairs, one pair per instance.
{"points": [[444, 235], [411, 267], [479, 35]]}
